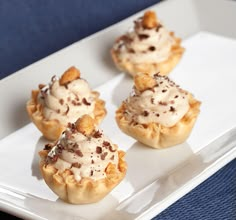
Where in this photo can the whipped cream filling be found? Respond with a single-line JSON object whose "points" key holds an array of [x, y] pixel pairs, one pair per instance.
{"points": [[84, 156], [164, 104], [67, 103], [142, 45]]}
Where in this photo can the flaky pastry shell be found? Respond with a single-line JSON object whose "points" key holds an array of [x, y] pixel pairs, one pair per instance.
{"points": [[86, 190], [155, 135], [52, 129], [163, 68]]}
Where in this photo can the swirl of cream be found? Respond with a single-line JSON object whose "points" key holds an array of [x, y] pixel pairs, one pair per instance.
{"points": [[142, 45], [84, 156], [67, 103], [164, 104]]}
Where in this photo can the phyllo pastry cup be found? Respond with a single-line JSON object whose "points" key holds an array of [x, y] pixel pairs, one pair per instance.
{"points": [[149, 47], [83, 166], [158, 112], [53, 106]]}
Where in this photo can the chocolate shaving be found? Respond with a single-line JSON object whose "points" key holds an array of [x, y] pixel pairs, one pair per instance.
{"points": [[77, 165], [164, 90], [91, 173], [106, 144], [152, 100], [158, 27], [157, 115], [61, 101], [79, 153], [110, 149], [172, 109], [143, 36], [98, 150], [162, 103], [84, 100], [112, 157], [145, 113], [58, 111], [152, 48], [156, 74], [67, 110], [176, 96], [103, 156], [97, 134], [48, 147], [54, 78], [92, 161]]}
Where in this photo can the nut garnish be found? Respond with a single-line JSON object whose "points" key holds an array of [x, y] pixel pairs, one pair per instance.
{"points": [[149, 20], [144, 81], [85, 125], [69, 75]]}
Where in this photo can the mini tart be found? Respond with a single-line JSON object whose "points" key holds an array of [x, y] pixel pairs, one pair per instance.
{"points": [[164, 67], [64, 183], [52, 128], [154, 134]]}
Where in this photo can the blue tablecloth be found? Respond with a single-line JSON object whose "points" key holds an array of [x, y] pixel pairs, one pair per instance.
{"points": [[31, 30]]}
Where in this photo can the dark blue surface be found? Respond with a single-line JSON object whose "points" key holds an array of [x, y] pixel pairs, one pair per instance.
{"points": [[31, 30]]}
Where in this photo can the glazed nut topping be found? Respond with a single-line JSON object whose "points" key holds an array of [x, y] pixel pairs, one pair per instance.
{"points": [[71, 74], [85, 125], [149, 20], [144, 81]]}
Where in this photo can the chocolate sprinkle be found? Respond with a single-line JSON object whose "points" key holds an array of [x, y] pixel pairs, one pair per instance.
{"points": [[91, 173], [157, 115], [92, 161], [112, 157], [164, 90], [176, 96]]}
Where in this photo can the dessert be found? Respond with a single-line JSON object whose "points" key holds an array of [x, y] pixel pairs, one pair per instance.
{"points": [[158, 112], [83, 166], [53, 106], [149, 47]]}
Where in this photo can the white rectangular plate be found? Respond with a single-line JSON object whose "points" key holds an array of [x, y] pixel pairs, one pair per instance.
{"points": [[155, 178]]}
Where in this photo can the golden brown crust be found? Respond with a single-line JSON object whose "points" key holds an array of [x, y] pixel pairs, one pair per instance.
{"points": [[164, 67], [86, 190], [156, 135]]}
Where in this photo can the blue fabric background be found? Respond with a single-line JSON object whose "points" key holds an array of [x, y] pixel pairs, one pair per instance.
{"points": [[31, 30]]}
